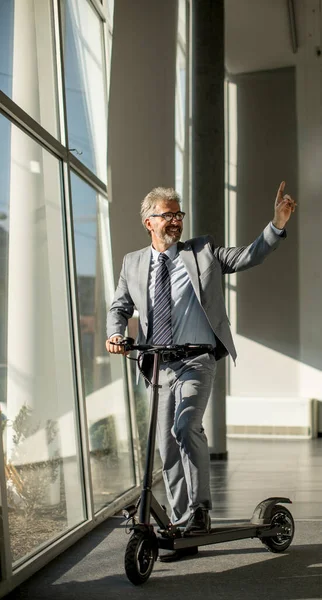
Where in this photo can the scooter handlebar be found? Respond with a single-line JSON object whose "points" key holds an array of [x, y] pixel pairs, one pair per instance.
{"points": [[129, 344]]}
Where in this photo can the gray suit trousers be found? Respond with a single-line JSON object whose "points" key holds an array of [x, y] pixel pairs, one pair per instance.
{"points": [[186, 386]]}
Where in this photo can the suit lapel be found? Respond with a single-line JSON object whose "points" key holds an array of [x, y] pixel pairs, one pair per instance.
{"points": [[189, 261], [144, 267]]}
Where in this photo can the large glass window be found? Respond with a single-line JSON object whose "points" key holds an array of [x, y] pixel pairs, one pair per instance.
{"points": [[27, 65], [85, 82], [42, 462], [44, 474], [104, 379]]}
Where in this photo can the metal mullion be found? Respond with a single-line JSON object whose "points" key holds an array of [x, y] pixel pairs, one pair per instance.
{"points": [[104, 35], [100, 9], [109, 23], [25, 122], [85, 173], [107, 78], [6, 559], [74, 319], [59, 73]]}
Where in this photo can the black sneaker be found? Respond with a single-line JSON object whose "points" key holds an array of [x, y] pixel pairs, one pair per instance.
{"points": [[199, 522], [173, 555]]}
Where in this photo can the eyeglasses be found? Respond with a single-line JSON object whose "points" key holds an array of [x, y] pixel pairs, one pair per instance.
{"points": [[168, 216]]}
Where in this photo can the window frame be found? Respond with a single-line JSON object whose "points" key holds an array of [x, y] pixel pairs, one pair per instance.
{"points": [[11, 577]]}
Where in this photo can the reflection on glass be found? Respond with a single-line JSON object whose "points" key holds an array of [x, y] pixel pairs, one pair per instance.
{"points": [[44, 483], [85, 85], [110, 11], [27, 59], [180, 96], [182, 7], [106, 403], [180, 100], [4, 248], [142, 411], [109, 40], [179, 170], [142, 397]]}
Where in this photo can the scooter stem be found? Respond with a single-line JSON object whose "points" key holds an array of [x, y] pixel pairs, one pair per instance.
{"points": [[145, 503]]}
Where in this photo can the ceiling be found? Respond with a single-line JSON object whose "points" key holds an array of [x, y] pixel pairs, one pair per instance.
{"points": [[257, 35]]}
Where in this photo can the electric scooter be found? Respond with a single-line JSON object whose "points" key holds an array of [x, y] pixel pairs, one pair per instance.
{"points": [[271, 522]]}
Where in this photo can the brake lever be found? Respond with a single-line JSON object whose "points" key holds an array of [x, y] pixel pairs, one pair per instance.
{"points": [[127, 343]]}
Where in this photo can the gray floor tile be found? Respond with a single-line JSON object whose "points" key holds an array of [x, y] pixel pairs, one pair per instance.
{"points": [[258, 469]]}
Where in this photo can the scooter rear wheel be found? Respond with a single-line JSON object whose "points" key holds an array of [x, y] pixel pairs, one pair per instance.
{"points": [[140, 555], [280, 542]]}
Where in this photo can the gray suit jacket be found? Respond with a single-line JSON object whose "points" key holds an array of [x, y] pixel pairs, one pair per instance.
{"points": [[205, 263]]}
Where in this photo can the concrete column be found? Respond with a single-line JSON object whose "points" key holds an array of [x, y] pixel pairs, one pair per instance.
{"points": [[141, 115], [208, 156]]}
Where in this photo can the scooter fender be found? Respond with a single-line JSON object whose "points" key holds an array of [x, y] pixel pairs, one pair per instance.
{"points": [[262, 514]]}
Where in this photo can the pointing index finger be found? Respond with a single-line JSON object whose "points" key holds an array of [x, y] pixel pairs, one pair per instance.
{"points": [[281, 188]]}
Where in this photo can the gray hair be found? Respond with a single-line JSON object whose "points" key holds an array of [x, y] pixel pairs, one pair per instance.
{"points": [[150, 201]]}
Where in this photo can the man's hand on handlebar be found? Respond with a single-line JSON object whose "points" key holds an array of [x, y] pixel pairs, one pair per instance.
{"points": [[114, 347], [117, 344]]}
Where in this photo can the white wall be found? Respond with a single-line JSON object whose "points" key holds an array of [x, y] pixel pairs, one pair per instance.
{"points": [[276, 311], [309, 110], [263, 302]]}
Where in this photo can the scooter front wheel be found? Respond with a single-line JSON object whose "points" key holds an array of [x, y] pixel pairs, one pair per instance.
{"points": [[140, 555], [281, 541]]}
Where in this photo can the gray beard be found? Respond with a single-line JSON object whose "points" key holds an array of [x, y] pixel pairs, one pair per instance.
{"points": [[171, 239]]}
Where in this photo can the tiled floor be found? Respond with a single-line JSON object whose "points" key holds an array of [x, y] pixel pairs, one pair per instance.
{"points": [[260, 468], [241, 570]]}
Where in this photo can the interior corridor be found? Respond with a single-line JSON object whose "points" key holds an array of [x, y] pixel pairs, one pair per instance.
{"points": [[240, 570]]}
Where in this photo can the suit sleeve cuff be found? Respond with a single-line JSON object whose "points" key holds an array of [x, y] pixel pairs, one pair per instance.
{"points": [[118, 334], [277, 231]]}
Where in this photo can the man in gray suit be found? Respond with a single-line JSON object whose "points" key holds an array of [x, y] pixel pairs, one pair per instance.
{"points": [[191, 280]]}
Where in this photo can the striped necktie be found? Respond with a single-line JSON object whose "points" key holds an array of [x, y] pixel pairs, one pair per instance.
{"points": [[162, 330]]}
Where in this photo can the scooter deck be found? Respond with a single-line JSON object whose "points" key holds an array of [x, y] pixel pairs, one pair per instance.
{"points": [[217, 535]]}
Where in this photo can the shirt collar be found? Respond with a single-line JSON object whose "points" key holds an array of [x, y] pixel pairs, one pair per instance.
{"points": [[170, 252]]}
